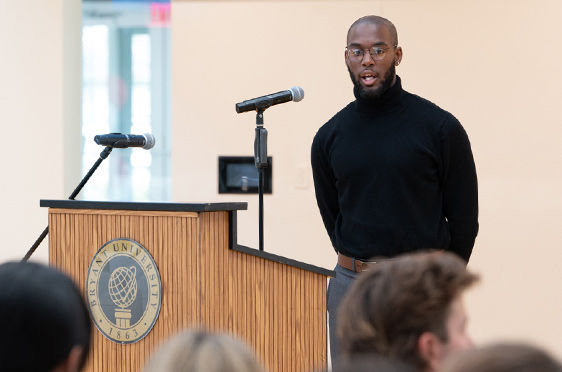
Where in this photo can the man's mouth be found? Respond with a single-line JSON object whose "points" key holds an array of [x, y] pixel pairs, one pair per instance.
{"points": [[368, 78]]}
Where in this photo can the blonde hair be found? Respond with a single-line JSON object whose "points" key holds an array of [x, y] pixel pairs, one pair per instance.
{"points": [[200, 351]]}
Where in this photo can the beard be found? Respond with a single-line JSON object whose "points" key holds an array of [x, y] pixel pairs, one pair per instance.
{"points": [[374, 93]]}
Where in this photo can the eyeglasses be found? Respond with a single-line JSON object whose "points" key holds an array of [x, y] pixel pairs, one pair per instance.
{"points": [[356, 54]]}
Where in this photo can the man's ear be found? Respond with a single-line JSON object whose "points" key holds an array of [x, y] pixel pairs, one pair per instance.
{"points": [[398, 55], [72, 361], [429, 348]]}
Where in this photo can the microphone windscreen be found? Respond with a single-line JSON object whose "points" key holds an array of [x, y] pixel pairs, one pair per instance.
{"points": [[150, 141], [298, 93]]}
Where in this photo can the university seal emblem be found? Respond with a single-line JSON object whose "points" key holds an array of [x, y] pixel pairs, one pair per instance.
{"points": [[123, 291]]}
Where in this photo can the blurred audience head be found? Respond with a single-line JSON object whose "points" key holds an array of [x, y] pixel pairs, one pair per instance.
{"points": [[409, 308], [372, 363], [46, 325], [200, 351], [502, 357]]}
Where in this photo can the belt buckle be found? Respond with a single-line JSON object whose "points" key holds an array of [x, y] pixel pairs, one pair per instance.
{"points": [[361, 266]]}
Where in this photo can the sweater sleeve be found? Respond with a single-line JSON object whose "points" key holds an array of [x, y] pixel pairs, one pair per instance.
{"points": [[460, 189], [325, 186]]}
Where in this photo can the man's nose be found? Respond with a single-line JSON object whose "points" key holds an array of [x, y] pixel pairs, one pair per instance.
{"points": [[367, 59]]}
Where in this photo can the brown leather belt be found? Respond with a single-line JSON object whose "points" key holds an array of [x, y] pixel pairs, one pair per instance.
{"points": [[354, 264], [358, 266]]}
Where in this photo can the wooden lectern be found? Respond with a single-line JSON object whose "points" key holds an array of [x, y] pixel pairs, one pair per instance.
{"points": [[276, 305]]}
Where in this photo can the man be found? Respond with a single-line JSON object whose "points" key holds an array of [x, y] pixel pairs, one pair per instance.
{"points": [[46, 326], [393, 173], [409, 309]]}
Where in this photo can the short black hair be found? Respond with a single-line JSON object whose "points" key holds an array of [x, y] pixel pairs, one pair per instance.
{"points": [[377, 20], [44, 316]]}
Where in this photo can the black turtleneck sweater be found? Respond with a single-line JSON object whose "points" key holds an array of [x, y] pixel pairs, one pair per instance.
{"points": [[395, 177]]}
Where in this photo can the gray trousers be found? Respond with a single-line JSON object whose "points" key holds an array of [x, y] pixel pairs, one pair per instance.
{"points": [[337, 288]]}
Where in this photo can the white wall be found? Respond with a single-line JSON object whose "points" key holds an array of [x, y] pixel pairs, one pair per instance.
{"points": [[493, 63], [40, 111]]}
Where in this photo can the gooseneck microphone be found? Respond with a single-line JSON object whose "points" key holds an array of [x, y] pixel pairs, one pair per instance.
{"points": [[123, 141], [261, 103]]}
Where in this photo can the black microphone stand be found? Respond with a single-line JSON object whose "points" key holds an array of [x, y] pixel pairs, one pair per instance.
{"points": [[103, 155], [260, 159]]}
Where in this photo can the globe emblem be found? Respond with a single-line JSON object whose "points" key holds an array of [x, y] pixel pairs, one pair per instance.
{"points": [[123, 291]]}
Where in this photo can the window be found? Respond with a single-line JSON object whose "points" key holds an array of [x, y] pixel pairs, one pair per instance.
{"points": [[126, 89]]}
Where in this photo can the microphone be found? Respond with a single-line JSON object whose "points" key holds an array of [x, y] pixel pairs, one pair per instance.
{"points": [[261, 103], [122, 141]]}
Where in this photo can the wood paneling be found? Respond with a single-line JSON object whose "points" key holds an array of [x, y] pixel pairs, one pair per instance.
{"points": [[277, 309]]}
